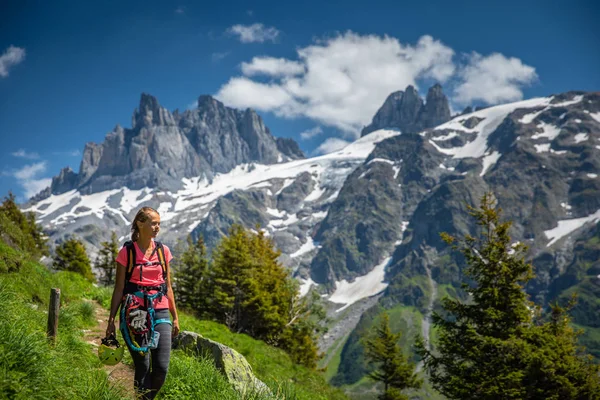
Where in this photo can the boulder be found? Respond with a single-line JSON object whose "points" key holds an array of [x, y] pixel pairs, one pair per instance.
{"points": [[229, 362]]}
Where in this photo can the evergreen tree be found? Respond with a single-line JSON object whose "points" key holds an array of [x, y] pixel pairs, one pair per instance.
{"points": [[32, 239], [106, 259], [71, 256], [252, 292], [391, 366], [494, 346], [191, 277]]}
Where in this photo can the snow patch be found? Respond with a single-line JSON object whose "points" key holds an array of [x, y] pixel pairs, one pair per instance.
{"points": [[567, 226], [542, 148], [580, 137], [548, 131], [305, 248], [445, 137], [489, 161], [276, 213], [368, 285], [566, 206], [592, 176], [305, 286], [381, 160], [596, 116], [396, 171]]}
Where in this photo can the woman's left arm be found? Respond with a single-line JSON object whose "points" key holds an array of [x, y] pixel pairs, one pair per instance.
{"points": [[172, 306]]}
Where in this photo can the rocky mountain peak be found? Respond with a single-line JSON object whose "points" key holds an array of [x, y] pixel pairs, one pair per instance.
{"points": [[162, 148], [406, 111], [150, 113]]}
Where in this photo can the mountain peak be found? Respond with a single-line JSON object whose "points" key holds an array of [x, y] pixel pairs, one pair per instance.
{"points": [[150, 113], [405, 110]]}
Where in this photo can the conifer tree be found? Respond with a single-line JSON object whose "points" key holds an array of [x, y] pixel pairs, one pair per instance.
{"points": [[71, 256], [191, 277], [106, 259], [33, 239], [391, 366], [252, 292], [496, 346]]}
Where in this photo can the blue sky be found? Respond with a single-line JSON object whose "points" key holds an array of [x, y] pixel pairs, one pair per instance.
{"points": [[71, 70]]}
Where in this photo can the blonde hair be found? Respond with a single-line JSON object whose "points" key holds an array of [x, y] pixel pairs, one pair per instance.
{"points": [[142, 215]]}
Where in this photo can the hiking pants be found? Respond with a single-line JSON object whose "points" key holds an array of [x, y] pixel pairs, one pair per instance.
{"points": [[151, 369]]}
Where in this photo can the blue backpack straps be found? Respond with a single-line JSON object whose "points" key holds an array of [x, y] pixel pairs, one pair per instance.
{"points": [[148, 335]]}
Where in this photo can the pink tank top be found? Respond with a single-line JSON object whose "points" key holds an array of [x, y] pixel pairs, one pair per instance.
{"points": [[151, 275]]}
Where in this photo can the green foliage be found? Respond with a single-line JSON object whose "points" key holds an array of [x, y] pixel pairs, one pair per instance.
{"points": [[21, 235], [497, 346], [32, 368], [106, 259], [272, 365], [191, 278], [248, 290], [71, 256], [391, 366]]}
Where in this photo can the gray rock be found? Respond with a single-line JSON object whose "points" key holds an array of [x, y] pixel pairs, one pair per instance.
{"points": [[229, 362], [407, 112]]}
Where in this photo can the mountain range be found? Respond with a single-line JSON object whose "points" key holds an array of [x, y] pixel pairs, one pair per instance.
{"points": [[360, 225]]}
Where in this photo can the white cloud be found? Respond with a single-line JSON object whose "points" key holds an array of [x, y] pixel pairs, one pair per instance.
{"points": [[23, 154], [29, 171], [180, 10], [341, 81], [28, 177], [11, 57], [243, 92], [276, 67], [310, 133], [345, 79], [330, 145], [493, 79], [254, 33], [34, 186]]}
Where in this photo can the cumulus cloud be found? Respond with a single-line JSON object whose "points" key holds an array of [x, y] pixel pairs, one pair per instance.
{"points": [[311, 133], [11, 57], [23, 154], [254, 33], [276, 67], [180, 10], [340, 81], [29, 178], [330, 145], [493, 79]]}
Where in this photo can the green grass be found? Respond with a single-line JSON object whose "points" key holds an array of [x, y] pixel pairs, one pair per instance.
{"points": [[271, 365], [33, 368]]}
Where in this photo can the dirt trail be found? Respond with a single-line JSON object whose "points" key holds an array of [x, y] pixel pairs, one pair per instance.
{"points": [[120, 374]]}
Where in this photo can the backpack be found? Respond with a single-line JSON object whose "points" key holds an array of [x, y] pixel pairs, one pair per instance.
{"points": [[137, 305]]}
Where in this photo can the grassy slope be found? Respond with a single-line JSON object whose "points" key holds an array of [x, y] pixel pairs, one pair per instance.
{"points": [[30, 368]]}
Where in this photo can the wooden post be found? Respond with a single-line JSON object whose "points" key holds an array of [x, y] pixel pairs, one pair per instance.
{"points": [[53, 313]]}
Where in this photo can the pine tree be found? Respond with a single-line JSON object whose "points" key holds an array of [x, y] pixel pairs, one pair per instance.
{"points": [[106, 259], [391, 366], [32, 239], [251, 292], [191, 277], [71, 256], [495, 346]]}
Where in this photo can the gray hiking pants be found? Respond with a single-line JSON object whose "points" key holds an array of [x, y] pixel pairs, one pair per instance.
{"points": [[151, 369]]}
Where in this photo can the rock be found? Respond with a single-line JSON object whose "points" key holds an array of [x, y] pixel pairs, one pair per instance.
{"points": [[229, 362], [407, 112]]}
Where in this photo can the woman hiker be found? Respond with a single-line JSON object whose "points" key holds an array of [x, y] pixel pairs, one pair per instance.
{"points": [[143, 292]]}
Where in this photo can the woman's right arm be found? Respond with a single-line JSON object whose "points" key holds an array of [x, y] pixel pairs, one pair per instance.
{"points": [[116, 299]]}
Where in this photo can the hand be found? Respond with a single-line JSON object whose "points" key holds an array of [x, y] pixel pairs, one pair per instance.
{"points": [[175, 327], [110, 329]]}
